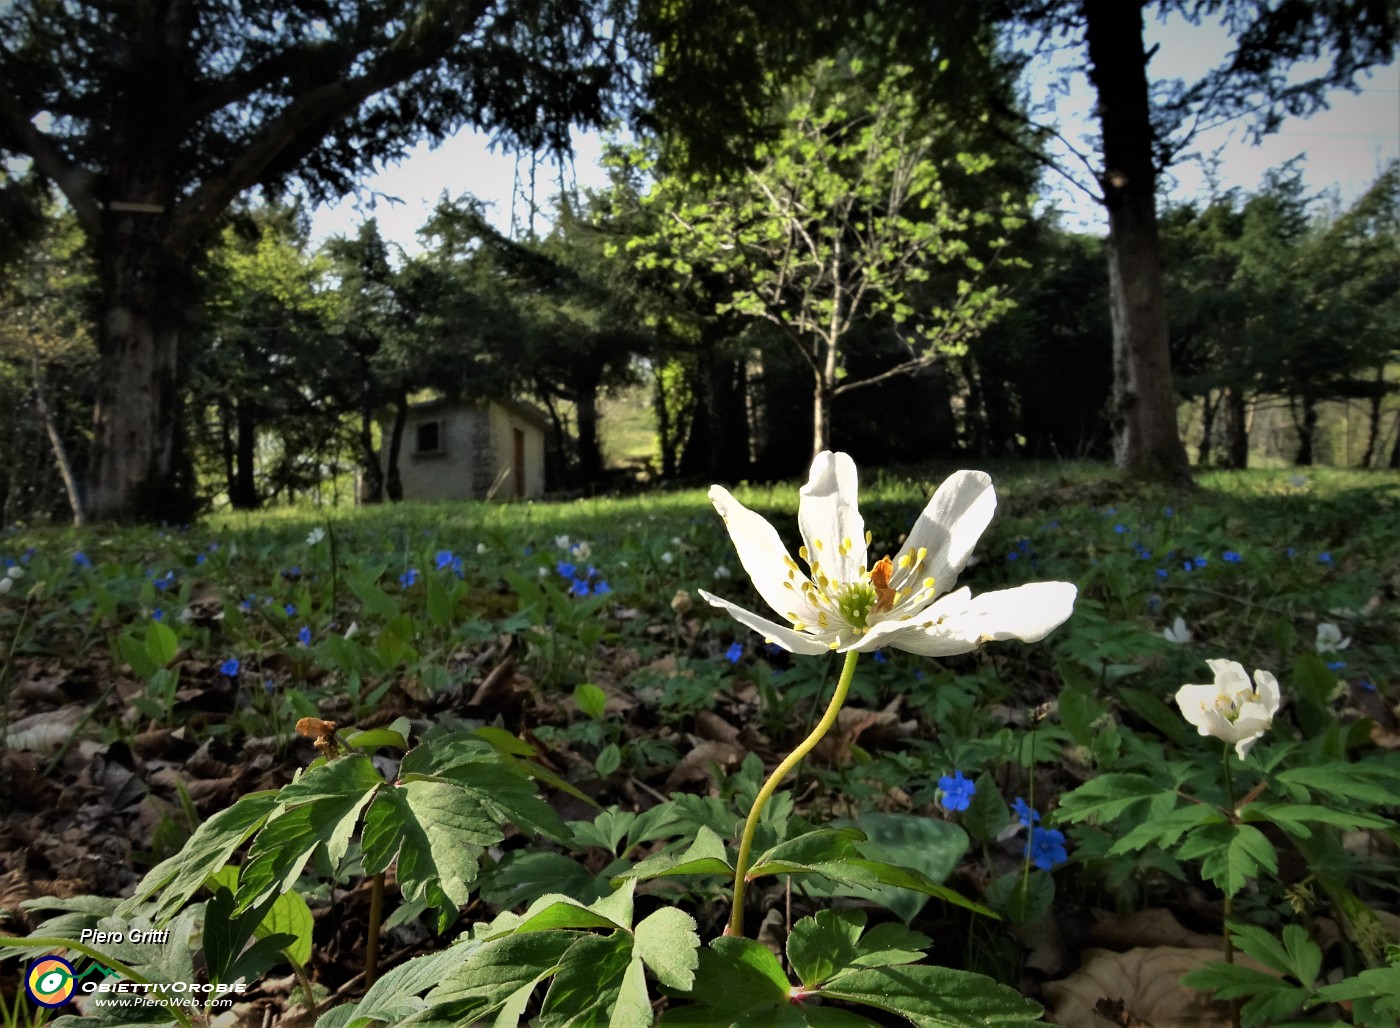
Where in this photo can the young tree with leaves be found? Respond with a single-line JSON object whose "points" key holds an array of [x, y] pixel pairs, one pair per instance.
{"points": [[845, 213]]}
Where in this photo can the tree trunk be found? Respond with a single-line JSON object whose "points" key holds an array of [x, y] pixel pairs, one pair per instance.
{"points": [[821, 416], [60, 452], [1236, 429], [586, 379], [371, 473], [394, 484], [1373, 434], [1307, 429], [1394, 462], [1209, 407], [245, 487], [135, 467], [664, 435], [1147, 443]]}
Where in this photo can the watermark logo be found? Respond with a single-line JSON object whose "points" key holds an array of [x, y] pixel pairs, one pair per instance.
{"points": [[50, 981]]}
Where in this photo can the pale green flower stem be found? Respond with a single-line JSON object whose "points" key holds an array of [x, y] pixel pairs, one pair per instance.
{"points": [[741, 866], [1229, 897]]}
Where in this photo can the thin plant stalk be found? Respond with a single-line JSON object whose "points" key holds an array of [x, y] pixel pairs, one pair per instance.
{"points": [[741, 866], [1229, 911], [376, 912]]}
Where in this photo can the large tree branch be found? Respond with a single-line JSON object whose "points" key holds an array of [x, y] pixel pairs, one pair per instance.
{"points": [[75, 182], [299, 128]]}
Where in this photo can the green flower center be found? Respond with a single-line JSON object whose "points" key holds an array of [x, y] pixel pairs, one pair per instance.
{"points": [[855, 601]]}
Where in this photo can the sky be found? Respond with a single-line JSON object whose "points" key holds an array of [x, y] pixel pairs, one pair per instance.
{"points": [[1344, 148]]}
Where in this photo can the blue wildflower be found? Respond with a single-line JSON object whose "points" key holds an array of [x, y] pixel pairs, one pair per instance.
{"points": [[80, 559], [199, 558], [1186, 565], [443, 559], [1168, 512], [165, 581], [565, 569], [579, 587], [1120, 528], [1046, 848], [1291, 552], [1325, 557], [230, 667], [1024, 813], [247, 605], [735, 653], [1012, 555], [1231, 557], [956, 791], [1200, 562], [880, 657], [290, 610], [409, 578], [269, 686], [157, 615], [1162, 573], [602, 588], [1336, 665], [304, 636]]}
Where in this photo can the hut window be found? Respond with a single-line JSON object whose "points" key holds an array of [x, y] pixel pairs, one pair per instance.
{"points": [[428, 437]]}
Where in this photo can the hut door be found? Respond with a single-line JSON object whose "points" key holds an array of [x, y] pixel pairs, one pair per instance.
{"points": [[518, 462]]}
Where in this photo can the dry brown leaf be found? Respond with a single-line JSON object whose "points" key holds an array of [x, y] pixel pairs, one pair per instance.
{"points": [[44, 732], [710, 726], [1157, 926], [699, 764], [1147, 982]]}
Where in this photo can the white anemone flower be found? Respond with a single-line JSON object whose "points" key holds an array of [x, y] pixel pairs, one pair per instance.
{"points": [[903, 602], [1330, 638], [315, 536], [1231, 708], [1178, 632]]}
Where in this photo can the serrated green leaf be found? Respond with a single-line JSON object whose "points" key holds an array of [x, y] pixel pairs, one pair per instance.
{"points": [[666, 941], [209, 849], [504, 742], [823, 944], [493, 972], [1106, 796], [288, 915], [1230, 854], [589, 989], [1163, 831], [429, 827], [936, 997], [321, 809], [394, 997]]}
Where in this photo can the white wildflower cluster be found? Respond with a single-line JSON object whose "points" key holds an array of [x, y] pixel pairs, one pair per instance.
{"points": [[12, 574]]}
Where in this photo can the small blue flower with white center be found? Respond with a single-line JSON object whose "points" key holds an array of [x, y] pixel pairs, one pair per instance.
{"points": [[955, 792], [1046, 848]]}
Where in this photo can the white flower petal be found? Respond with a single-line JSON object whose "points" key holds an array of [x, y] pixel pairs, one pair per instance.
{"points": [[764, 557], [948, 528], [1243, 746], [1266, 685], [828, 517], [789, 639], [1230, 676], [1027, 612]]}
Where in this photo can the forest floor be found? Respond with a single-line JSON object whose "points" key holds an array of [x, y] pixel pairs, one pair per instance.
{"points": [[151, 678]]}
